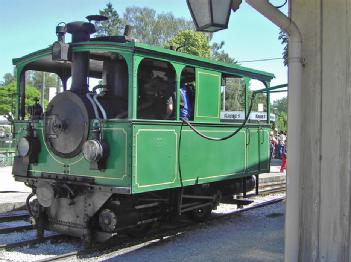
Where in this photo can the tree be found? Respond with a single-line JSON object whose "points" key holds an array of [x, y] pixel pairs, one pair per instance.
{"points": [[284, 41], [195, 43], [36, 79], [234, 94], [260, 98], [280, 108], [8, 97], [281, 105], [8, 78], [167, 26], [143, 21], [221, 55], [112, 26], [282, 121], [153, 29]]}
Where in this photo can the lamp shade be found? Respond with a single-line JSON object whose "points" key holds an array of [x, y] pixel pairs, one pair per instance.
{"points": [[210, 15]]}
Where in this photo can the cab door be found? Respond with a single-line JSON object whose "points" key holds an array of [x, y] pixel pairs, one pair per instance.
{"points": [[264, 150], [252, 150], [208, 94]]}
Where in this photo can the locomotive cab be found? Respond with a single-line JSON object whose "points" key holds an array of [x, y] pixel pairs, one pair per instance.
{"points": [[116, 149]]}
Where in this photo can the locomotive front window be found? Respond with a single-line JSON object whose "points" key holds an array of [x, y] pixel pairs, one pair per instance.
{"points": [[39, 88], [108, 84], [101, 75], [156, 90]]}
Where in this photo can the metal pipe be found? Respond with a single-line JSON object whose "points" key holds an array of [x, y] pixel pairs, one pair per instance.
{"points": [[88, 95], [266, 89], [292, 214], [101, 108], [42, 97], [79, 69]]}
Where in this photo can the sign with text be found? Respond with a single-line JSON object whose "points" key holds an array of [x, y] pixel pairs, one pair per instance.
{"points": [[240, 115]]}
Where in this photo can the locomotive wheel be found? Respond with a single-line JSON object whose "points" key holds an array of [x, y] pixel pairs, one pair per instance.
{"points": [[200, 214]]}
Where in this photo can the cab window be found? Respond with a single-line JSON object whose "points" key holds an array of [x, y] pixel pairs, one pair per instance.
{"points": [[156, 90]]}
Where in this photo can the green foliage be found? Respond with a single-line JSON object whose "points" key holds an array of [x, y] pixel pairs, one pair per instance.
{"points": [[195, 43], [153, 29], [147, 26], [234, 94], [161, 30], [8, 97], [143, 21], [284, 38], [36, 79], [112, 26], [221, 55], [260, 98], [280, 108], [282, 121], [8, 78], [281, 105]]}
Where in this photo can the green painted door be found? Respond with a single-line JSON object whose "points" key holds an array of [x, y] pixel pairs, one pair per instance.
{"points": [[264, 149], [155, 157], [252, 150], [208, 94]]}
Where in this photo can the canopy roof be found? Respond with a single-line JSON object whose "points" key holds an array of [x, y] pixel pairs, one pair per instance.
{"points": [[41, 60]]}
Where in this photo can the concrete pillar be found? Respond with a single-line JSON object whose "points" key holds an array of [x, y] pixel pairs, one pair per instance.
{"points": [[326, 135]]}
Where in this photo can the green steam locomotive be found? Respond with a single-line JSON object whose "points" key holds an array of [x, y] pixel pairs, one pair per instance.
{"points": [[136, 135]]}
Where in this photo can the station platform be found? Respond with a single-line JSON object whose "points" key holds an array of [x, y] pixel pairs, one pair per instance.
{"points": [[275, 176], [13, 194]]}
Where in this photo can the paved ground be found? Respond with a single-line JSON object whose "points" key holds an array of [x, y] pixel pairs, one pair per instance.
{"points": [[12, 194], [253, 236], [256, 235]]}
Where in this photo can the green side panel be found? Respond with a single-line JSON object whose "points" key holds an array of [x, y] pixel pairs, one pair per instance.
{"points": [[208, 93], [118, 169], [205, 161], [47, 162], [252, 146], [264, 150], [154, 158]]}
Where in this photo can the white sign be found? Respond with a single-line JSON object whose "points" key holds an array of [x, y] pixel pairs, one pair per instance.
{"points": [[233, 115], [240, 115], [260, 107]]}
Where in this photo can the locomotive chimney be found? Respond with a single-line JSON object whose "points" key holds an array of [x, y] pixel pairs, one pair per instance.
{"points": [[80, 60]]}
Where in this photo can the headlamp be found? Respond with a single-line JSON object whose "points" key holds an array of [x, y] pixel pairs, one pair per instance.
{"points": [[92, 150], [23, 147]]}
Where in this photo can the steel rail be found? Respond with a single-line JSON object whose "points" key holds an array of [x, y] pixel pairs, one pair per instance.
{"points": [[166, 233]]}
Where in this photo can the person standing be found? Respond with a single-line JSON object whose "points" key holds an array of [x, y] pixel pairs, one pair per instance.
{"points": [[284, 157]]}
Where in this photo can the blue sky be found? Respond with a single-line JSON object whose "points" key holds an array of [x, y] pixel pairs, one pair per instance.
{"points": [[27, 26]]}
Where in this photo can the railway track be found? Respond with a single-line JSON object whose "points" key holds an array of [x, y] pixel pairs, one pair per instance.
{"points": [[20, 217], [162, 233], [270, 188]]}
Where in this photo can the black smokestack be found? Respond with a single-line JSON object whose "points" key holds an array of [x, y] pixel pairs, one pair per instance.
{"points": [[80, 60]]}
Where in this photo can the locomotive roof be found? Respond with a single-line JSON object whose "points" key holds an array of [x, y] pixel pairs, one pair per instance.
{"points": [[153, 51]]}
